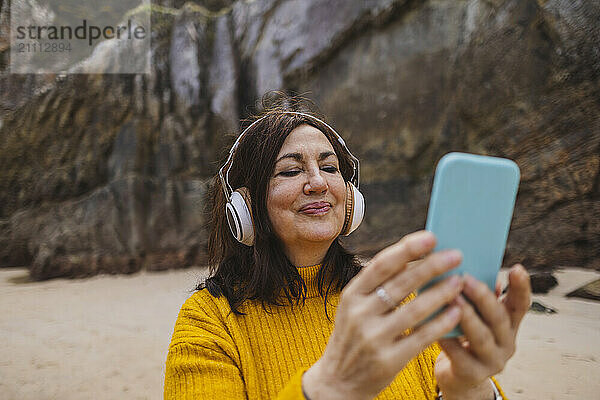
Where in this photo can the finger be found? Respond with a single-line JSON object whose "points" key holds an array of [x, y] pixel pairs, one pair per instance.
{"points": [[482, 343], [492, 312], [518, 298], [423, 306], [403, 284], [431, 267], [392, 260], [411, 345], [463, 363], [498, 288]]}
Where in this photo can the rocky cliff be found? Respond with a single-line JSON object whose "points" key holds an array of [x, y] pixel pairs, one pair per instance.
{"points": [[107, 173]]}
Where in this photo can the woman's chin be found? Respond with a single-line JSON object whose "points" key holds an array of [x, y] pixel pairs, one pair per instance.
{"points": [[314, 229], [326, 235]]}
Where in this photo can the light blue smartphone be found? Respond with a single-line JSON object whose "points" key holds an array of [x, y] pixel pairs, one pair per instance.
{"points": [[470, 209]]}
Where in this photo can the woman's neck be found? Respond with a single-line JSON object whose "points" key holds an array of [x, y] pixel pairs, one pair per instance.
{"points": [[307, 254]]}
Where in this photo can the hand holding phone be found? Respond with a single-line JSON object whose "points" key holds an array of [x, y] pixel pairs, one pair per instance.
{"points": [[470, 209]]}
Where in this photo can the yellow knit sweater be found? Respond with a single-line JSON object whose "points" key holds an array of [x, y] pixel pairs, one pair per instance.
{"points": [[215, 354]]}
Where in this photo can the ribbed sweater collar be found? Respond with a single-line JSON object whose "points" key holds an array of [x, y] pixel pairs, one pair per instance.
{"points": [[309, 275]]}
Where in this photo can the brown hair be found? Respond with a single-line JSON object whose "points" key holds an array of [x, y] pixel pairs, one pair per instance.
{"points": [[263, 272]]}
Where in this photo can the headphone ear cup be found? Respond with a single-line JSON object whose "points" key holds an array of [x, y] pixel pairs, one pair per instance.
{"points": [[239, 216], [355, 209]]}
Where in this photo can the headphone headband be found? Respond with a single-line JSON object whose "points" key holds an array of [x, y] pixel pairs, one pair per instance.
{"points": [[225, 179]]}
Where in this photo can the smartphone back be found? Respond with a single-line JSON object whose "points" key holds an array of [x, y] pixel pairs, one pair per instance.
{"points": [[470, 209]]}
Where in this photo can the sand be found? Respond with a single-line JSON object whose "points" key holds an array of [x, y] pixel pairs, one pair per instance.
{"points": [[106, 337], [558, 355]]}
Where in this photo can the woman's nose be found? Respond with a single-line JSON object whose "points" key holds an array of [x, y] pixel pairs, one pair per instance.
{"points": [[316, 183]]}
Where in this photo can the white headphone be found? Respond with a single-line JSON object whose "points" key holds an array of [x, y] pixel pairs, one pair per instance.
{"points": [[238, 208]]}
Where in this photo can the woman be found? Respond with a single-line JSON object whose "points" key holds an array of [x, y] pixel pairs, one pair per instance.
{"points": [[262, 326]]}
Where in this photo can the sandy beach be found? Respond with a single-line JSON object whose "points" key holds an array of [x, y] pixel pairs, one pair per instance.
{"points": [[106, 337]]}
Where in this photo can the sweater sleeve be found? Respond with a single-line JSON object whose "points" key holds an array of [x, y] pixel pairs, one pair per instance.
{"points": [[293, 388], [203, 361]]}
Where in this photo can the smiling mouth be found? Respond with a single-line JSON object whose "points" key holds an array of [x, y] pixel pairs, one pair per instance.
{"points": [[316, 208]]}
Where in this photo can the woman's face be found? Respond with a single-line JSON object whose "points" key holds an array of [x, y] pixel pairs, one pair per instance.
{"points": [[306, 194]]}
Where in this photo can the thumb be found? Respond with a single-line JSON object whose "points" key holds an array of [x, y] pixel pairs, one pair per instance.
{"points": [[518, 298]]}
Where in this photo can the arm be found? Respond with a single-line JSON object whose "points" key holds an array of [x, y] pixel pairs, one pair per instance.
{"points": [[366, 350], [293, 388], [203, 362]]}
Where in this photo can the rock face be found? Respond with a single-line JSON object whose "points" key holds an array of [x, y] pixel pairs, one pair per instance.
{"points": [[102, 173], [542, 282]]}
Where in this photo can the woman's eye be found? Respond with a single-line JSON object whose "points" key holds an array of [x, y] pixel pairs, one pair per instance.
{"points": [[289, 173], [330, 169]]}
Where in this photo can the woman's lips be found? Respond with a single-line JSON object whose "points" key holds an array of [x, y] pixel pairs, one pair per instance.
{"points": [[317, 208]]}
